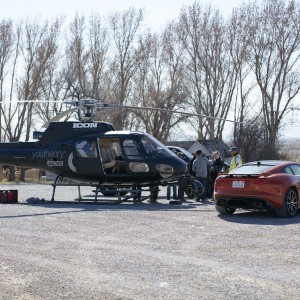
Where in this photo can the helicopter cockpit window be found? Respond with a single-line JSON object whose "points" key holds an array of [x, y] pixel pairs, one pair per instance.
{"points": [[148, 145], [86, 148], [152, 146], [132, 150]]}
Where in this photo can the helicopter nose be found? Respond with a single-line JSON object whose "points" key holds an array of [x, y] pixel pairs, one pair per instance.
{"points": [[176, 167], [180, 168]]}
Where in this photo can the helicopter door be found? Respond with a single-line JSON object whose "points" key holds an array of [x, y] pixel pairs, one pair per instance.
{"points": [[111, 155], [87, 159]]}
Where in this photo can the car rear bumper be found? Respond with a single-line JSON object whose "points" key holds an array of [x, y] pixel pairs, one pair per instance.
{"points": [[244, 202]]}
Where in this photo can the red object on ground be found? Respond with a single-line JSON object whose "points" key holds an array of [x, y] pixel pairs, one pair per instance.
{"points": [[8, 196]]}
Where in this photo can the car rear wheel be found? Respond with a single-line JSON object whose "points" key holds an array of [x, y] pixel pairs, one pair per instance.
{"points": [[225, 210], [289, 205]]}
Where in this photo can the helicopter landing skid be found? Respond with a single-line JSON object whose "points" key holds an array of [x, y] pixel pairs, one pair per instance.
{"points": [[114, 191], [118, 199]]}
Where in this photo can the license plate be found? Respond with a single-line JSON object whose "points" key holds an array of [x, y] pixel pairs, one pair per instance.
{"points": [[238, 184]]}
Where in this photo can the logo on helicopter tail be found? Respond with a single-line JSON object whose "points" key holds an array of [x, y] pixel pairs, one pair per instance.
{"points": [[84, 125]]}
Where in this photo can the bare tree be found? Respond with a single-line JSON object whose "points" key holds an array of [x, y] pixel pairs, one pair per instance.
{"points": [[9, 112], [98, 48], [6, 47], [53, 88], [39, 48], [274, 41], [34, 47], [77, 56], [159, 83], [251, 140], [125, 29], [209, 67], [238, 45]]}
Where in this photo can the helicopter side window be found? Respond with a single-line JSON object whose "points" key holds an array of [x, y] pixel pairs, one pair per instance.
{"points": [[148, 145], [85, 148], [132, 150]]}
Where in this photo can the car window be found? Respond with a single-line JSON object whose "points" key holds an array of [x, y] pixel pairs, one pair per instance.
{"points": [[187, 155], [288, 170], [251, 169], [296, 169]]}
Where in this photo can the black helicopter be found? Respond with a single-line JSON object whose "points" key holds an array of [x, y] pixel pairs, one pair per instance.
{"points": [[95, 154]]}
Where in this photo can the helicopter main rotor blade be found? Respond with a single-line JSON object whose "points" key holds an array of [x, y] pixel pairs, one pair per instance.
{"points": [[91, 103], [175, 112], [59, 116], [35, 101]]}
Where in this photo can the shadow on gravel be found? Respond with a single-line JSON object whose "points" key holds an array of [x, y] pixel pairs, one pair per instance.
{"points": [[79, 207], [123, 206], [40, 214], [71, 208], [259, 218]]}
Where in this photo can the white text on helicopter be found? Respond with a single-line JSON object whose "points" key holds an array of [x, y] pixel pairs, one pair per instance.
{"points": [[85, 125], [55, 163], [48, 154]]}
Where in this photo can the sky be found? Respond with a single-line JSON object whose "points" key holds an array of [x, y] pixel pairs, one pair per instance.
{"points": [[158, 12]]}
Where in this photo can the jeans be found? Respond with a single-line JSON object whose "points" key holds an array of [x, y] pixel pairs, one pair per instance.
{"points": [[182, 182], [203, 181]]}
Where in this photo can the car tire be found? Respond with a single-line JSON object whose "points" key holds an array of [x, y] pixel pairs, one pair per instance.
{"points": [[193, 189], [190, 190], [289, 205], [225, 210]]}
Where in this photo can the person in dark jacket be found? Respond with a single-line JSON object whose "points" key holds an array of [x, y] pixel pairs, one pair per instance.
{"points": [[217, 165], [216, 168]]}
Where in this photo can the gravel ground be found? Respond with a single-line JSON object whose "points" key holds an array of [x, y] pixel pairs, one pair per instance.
{"points": [[143, 251]]}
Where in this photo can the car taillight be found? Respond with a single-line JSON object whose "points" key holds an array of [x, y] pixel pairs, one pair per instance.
{"points": [[221, 181], [264, 181]]}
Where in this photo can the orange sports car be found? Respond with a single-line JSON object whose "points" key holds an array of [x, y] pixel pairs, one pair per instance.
{"points": [[263, 185]]}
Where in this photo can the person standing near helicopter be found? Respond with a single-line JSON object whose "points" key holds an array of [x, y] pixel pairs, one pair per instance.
{"points": [[200, 166], [172, 186], [182, 181], [217, 165], [236, 158]]}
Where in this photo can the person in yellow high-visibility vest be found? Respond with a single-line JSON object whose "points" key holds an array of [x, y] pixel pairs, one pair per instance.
{"points": [[236, 158]]}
